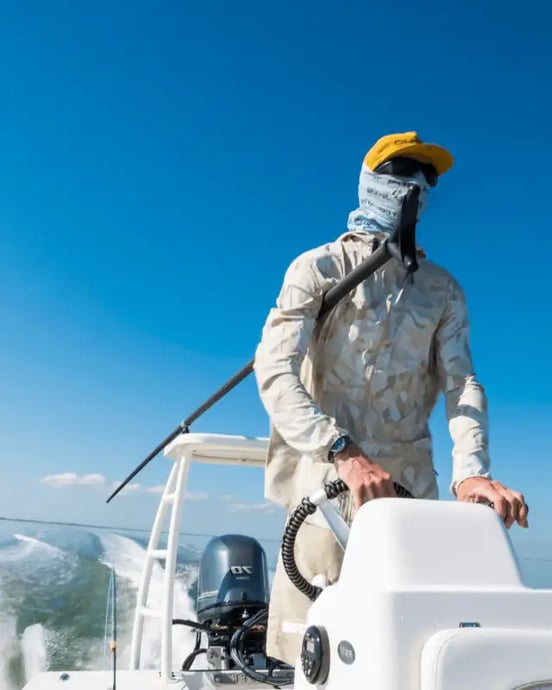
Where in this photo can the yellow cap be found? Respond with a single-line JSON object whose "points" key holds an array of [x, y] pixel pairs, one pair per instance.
{"points": [[410, 145]]}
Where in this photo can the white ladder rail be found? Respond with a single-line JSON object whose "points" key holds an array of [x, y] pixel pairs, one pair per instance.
{"points": [[183, 467], [173, 489]]}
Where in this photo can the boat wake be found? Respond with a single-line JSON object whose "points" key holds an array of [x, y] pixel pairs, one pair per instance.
{"points": [[53, 595]]}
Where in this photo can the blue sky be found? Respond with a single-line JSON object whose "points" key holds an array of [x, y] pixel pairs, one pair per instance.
{"points": [[161, 167]]}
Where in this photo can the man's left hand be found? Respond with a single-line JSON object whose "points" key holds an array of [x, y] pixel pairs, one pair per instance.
{"points": [[510, 505]]}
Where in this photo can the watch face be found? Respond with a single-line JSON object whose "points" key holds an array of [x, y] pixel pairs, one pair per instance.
{"points": [[339, 444]]}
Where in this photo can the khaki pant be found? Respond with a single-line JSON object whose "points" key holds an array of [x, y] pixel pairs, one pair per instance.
{"points": [[316, 553]]}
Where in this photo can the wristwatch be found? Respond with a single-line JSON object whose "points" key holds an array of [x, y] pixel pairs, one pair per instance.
{"points": [[338, 446]]}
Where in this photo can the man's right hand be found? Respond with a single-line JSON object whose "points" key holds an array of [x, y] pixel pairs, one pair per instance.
{"points": [[365, 479]]}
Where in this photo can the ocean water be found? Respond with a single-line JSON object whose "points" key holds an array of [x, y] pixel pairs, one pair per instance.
{"points": [[54, 584]]}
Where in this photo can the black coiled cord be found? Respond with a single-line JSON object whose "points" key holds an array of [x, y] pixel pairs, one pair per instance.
{"points": [[286, 675], [296, 519]]}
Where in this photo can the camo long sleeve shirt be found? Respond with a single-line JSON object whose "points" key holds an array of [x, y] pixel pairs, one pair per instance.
{"points": [[373, 368]]}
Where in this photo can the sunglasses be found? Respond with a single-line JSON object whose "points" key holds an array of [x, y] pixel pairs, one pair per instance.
{"points": [[407, 167]]}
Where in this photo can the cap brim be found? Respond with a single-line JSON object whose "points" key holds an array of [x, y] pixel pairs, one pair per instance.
{"points": [[441, 159]]}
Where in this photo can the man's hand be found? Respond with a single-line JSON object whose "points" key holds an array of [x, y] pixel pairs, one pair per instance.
{"points": [[365, 479], [510, 505]]}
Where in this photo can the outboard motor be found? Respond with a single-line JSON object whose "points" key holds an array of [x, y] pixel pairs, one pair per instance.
{"points": [[232, 611], [233, 581]]}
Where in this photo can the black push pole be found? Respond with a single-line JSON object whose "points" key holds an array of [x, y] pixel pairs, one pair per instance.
{"points": [[402, 246]]}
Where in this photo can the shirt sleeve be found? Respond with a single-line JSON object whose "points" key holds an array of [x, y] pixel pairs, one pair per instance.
{"points": [[279, 356], [466, 401]]}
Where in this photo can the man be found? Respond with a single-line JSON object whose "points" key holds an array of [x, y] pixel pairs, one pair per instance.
{"points": [[351, 395]]}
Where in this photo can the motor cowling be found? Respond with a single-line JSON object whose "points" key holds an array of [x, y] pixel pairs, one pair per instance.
{"points": [[233, 580]]}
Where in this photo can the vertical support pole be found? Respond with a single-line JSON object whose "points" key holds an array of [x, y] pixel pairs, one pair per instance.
{"points": [[183, 467], [143, 590]]}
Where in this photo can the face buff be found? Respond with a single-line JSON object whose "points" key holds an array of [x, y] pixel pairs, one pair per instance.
{"points": [[380, 198]]}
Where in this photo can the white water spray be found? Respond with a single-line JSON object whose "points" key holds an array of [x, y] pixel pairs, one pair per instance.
{"points": [[128, 559], [30, 648], [8, 652], [34, 650]]}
